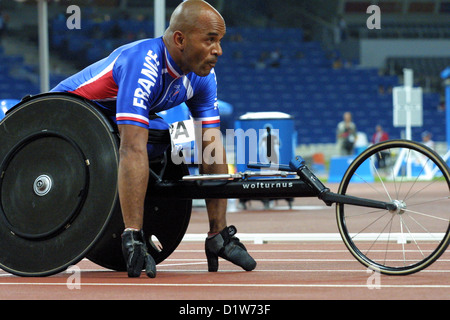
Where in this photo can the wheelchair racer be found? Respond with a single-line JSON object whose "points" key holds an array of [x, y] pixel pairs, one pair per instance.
{"points": [[142, 78]]}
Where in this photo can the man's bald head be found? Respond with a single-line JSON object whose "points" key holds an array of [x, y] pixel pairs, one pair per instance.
{"points": [[190, 14], [193, 36]]}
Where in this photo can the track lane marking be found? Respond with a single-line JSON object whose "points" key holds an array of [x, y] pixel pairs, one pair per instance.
{"points": [[236, 285]]}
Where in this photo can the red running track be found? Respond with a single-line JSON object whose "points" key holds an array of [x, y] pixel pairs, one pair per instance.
{"points": [[292, 270]]}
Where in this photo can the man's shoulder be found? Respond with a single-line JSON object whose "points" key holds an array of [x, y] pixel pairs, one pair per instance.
{"points": [[141, 48], [209, 80]]}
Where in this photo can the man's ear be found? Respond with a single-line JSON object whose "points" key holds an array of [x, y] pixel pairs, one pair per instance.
{"points": [[179, 40]]}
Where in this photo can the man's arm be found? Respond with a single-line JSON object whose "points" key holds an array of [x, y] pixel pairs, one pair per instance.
{"points": [[133, 174], [214, 162]]}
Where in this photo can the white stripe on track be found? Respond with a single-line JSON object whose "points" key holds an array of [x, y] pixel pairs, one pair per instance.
{"points": [[237, 285]]}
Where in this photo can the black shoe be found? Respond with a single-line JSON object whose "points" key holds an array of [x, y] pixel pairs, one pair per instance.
{"points": [[228, 247], [136, 255]]}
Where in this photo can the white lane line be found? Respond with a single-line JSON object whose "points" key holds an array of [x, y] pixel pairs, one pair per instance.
{"points": [[299, 251], [275, 260], [235, 270], [260, 238], [236, 285], [296, 270], [304, 260]]}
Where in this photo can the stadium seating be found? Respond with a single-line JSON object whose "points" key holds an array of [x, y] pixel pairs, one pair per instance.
{"points": [[308, 86], [15, 77], [306, 81]]}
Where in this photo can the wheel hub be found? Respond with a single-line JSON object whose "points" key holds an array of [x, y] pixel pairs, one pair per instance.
{"points": [[42, 185], [400, 207]]}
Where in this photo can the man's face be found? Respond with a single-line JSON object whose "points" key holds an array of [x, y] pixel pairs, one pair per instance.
{"points": [[203, 46]]}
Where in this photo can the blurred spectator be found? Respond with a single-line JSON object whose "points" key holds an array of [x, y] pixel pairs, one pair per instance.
{"points": [[381, 160], [426, 139], [346, 135], [274, 58], [260, 64], [340, 30], [380, 135], [361, 142]]}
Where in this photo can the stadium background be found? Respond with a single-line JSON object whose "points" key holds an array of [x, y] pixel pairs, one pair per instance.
{"points": [[322, 69]]}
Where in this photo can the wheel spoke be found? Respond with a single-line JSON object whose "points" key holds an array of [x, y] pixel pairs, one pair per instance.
{"points": [[424, 228], [369, 225], [412, 237], [381, 180], [426, 215], [379, 234], [422, 189]]}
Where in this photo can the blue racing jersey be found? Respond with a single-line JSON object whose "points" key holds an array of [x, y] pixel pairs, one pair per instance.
{"points": [[142, 78]]}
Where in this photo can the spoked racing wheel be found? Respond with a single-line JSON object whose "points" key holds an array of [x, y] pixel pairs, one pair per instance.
{"points": [[410, 238]]}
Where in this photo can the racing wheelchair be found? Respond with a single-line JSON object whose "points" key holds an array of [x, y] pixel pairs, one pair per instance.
{"points": [[59, 200]]}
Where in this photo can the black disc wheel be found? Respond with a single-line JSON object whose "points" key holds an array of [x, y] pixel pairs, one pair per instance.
{"points": [[58, 183], [415, 234], [165, 221]]}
